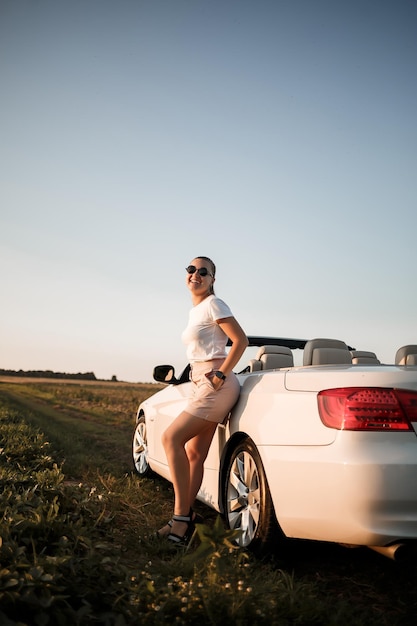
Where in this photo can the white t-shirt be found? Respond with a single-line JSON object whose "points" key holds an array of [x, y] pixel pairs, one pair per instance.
{"points": [[203, 337]]}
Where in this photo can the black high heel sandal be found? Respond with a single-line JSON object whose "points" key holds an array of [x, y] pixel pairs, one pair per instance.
{"points": [[185, 538], [196, 518]]}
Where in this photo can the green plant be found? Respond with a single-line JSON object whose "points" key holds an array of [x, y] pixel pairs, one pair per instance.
{"points": [[54, 538]]}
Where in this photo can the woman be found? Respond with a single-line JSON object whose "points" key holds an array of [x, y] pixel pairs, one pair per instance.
{"points": [[215, 390]]}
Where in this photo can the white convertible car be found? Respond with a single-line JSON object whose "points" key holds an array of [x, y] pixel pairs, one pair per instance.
{"points": [[325, 450]]}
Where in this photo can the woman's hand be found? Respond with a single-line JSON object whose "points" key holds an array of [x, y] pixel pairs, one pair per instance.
{"points": [[217, 382]]}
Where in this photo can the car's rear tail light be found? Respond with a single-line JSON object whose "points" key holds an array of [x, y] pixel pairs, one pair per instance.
{"points": [[368, 408]]}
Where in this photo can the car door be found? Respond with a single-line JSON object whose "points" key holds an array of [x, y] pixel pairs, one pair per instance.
{"points": [[164, 408]]}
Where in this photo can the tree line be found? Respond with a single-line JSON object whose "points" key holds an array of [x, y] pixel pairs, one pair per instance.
{"points": [[49, 374]]}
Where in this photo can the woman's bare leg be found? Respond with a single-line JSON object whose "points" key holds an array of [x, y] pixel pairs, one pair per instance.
{"points": [[197, 450], [185, 428]]}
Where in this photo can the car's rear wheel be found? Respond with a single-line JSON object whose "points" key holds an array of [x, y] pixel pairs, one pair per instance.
{"points": [[140, 448], [248, 505]]}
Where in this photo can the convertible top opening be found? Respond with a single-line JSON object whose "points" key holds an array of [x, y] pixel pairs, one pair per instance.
{"points": [[255, 340], [274, 341]]}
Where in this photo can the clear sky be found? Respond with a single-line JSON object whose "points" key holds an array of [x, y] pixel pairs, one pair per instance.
{"points": [[277, 137]]}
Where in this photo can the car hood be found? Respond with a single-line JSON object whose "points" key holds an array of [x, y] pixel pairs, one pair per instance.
{"points": [[318, 377]]}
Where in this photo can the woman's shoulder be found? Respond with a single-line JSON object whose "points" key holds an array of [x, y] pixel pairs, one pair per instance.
{"points": [[219, 306], [212, 299]]}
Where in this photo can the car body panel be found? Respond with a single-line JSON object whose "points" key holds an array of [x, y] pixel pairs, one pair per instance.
{"points": [[269, 413], [360, 490], [160, 410], [316, 378]]}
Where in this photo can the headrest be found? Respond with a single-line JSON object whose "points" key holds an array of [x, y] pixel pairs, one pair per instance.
{"points": [[363, 356], [406, 355], [273, 350], [326, 352]]}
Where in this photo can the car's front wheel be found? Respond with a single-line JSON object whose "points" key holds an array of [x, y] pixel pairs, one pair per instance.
{"points": [[140, 448], [248, 504]]}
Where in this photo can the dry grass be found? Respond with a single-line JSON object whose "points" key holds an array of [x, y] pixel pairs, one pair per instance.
{"points": [[89, 424]]}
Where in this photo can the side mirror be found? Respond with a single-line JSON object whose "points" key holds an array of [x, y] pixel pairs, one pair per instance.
{"points": [[165, 374]]}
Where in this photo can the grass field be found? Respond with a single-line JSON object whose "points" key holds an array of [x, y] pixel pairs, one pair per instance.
{"points": [[90, 424], [88, 427]]}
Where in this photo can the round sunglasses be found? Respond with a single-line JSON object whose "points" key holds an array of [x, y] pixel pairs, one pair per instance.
{"points": [[203, 271]]}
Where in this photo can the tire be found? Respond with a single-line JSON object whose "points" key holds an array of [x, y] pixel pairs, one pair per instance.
{"points": [[140, 448], [247, 502]]}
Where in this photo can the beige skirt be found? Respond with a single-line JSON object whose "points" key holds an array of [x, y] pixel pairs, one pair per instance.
{"points": [[207, 403]]}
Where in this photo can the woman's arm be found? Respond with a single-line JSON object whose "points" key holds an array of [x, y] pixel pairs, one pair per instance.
{"points": [[234, 331]]}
